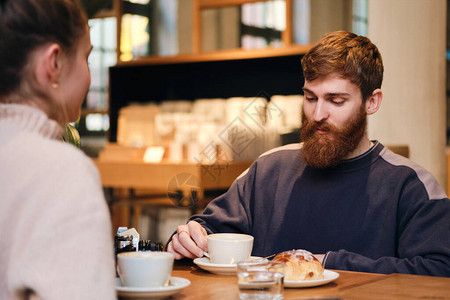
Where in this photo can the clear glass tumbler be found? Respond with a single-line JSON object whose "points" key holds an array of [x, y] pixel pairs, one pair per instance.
{"points": [[260, 280]]}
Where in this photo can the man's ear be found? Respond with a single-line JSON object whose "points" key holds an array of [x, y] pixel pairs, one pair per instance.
{"points": [[374, 101], [48, 65]]}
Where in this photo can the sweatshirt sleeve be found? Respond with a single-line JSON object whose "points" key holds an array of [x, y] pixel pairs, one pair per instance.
{"points": [[423, 239]]}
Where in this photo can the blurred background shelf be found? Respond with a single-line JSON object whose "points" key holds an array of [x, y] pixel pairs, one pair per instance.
{"points": [[132, 186]]}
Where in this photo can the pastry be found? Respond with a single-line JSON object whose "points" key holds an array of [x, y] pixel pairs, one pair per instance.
{"points": [[300, 265]]}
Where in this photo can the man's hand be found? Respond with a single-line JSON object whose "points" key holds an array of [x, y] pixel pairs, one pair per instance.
{"points": [[189, 241]]}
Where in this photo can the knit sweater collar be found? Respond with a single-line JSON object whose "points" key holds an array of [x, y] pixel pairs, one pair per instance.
{"points": [[30, 119]]}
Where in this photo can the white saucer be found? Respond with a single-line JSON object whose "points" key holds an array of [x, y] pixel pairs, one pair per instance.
{"points": [[220, 269], [160, 292], [328, 276]]}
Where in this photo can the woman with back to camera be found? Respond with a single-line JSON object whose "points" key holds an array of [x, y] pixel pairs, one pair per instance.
{"points": [[56, 240]]}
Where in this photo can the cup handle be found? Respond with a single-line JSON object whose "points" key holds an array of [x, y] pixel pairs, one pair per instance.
{"points": [[206, 254]]}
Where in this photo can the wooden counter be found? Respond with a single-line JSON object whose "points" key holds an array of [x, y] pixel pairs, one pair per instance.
{"points": [[131, 184], [157, 176]]}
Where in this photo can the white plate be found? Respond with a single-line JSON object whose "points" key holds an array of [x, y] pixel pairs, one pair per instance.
{"points": [[220, 269], [160, 292], [328, 276]]}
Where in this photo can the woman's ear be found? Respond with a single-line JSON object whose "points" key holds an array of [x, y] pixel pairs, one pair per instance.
{"points": [[48, 65], [374, 101]]}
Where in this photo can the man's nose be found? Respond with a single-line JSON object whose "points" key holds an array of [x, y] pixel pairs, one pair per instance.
{"points": [[320, 111]]}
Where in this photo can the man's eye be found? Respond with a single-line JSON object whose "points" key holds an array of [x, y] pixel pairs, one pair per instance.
{"points": [[310, 98], [337, 101]]}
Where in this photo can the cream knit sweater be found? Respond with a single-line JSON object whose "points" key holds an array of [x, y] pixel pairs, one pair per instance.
{"points": [[55, 229]]}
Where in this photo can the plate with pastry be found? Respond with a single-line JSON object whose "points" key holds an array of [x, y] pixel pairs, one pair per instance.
{"points": [[303, 269]]}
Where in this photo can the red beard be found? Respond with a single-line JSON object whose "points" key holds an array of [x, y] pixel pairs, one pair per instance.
{"points": [[328, 150]]}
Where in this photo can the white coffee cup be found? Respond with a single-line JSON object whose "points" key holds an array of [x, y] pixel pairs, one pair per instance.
{"points": [[229, 248], [144, 268]]}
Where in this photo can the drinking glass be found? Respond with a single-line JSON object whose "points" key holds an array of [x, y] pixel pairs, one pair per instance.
{"points": [[260, 280]]}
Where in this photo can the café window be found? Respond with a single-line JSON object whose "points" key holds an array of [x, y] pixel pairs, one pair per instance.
{"points": [[94, 119], [103, 55], [148, 27], [135, 29], [262, 24], [360, 17]]}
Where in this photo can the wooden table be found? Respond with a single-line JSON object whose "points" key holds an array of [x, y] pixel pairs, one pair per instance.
{"points": [[349, 285]]}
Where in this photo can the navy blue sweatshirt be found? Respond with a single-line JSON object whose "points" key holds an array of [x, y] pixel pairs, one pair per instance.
{"points": [[378, 212]]}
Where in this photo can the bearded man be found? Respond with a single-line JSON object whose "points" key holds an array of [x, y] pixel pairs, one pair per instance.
{"points": [[350, 200]]}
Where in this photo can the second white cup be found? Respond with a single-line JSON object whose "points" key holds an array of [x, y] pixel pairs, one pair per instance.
{"points": [[144, 269], [229, 248]]}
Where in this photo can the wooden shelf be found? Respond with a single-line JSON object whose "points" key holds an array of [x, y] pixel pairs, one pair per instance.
{"points": [[223, 55], [105, 14], [199, 5], [256, 73], [232, 54]]}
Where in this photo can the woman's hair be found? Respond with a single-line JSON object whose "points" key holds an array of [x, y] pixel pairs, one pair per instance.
{"points": [[351, 56], [26, 25]]}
